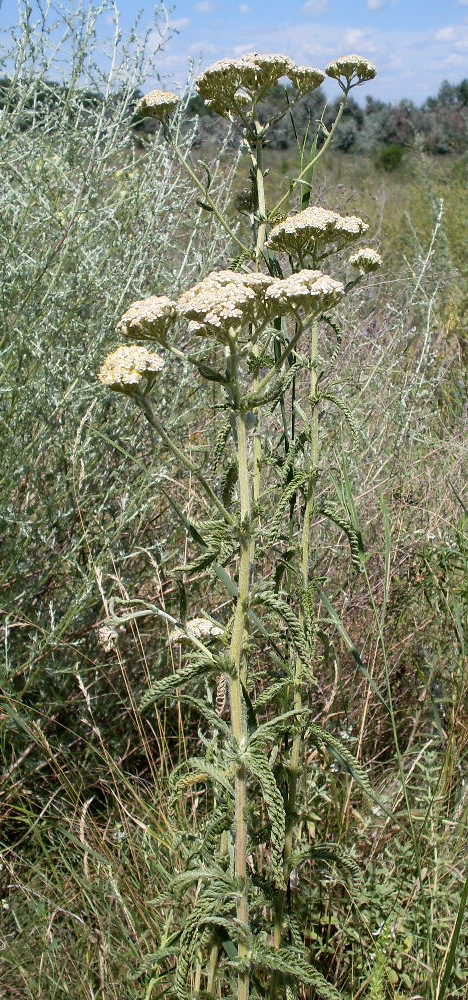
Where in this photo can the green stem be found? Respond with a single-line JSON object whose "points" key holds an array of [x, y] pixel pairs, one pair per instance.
{"points": [[237, 679], [152, 419], [298, 673], [283, 356], [317, 156], [260, 240]]}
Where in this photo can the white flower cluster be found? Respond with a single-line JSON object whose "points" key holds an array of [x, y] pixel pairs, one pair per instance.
{"points": [[149, 319], [229, 84], [366, 260], [223, 302], [157, 104], [350, 67], [303, 232], [201, 628], [128, 366], [311, 289], [218, 306]]}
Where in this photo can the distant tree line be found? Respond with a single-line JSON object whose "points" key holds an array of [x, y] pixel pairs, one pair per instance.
{"points": [[379, 129]]}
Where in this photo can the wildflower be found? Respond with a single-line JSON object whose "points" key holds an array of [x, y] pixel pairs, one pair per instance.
{"points": [[303, 232], [127, 366], [313, 290], [366, 259], [263, 72], [149, 319], [223, 302], [350, 67], [201, 628], [305, 79], [157, 104], [221, 81], [232, 80]]}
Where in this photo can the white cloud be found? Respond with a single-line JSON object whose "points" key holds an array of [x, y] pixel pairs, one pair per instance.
{"points": [[411, 63], [205, 7], [378, 4], [179, 24], [448, 34], [355, 39], [245, 9], [315, 7]]}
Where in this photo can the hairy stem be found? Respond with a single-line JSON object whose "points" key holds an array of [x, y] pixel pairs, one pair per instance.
{"points": [[238, 678], [260, 240], [298, 673]]}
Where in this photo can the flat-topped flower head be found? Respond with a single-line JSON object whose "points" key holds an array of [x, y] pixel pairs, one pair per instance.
{"points": [[125, 368], [312, 228], [223, 302], [220, 82], [366, 260], [157, 104], [264, 71], [350, 226], [149, 319], [231, 82], [305, 79], [312, 290], [201, 628], [351, 68]]}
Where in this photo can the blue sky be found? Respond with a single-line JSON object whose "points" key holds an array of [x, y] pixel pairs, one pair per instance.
{"points": [[415, 44]]}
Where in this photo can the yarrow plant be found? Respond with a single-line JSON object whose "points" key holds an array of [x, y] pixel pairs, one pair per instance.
{"points": [[268, 323]]}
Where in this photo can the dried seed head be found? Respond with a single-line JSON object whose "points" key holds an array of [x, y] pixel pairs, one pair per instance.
{"points": [[314, 225], [312, 290], [125, 368], [107, 638], [223, 302], [157, 104], [149, 319], [350, 67], [366, 259], [201, 628], [305, 79]]}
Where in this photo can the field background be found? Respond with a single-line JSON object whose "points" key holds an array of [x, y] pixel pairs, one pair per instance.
{"points": [[93, 216]]}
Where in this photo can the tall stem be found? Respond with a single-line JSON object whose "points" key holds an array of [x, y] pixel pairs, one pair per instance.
{"points": [[298, 673], [237, 679], [259, 243]]}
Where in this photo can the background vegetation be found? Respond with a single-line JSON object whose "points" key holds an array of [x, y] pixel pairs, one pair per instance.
{"points": [[94, 216]]}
